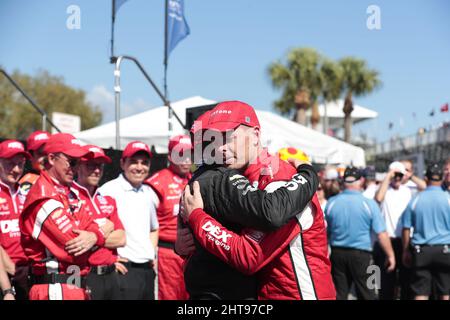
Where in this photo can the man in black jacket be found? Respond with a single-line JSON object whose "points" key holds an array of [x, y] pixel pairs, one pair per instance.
{"points": [[232, 200]]}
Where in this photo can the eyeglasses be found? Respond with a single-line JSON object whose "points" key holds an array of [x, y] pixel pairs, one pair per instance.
{"points": [[72, 162], [94, 165]]}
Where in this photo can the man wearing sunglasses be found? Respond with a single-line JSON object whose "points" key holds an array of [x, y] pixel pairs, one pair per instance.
{"points": [[102, 280], [57, 231], [12, 162]]}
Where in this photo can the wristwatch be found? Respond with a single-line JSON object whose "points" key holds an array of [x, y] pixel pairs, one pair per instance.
{"points": [[10, 290]]}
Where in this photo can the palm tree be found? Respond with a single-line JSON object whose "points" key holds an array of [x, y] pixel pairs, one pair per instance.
{"points": [[331, 85], [357, 80], [299, 79]]}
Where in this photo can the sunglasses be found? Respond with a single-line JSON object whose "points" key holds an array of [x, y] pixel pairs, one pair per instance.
{"points": [[72, 162]]}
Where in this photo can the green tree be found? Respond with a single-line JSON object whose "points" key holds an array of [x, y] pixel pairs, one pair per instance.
{"points": [[357, 80], [18, 118], [300, 81], [331, 84]]}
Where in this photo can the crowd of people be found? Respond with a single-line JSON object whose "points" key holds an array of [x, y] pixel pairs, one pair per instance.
{"points": [[244, 224], [399, 223]]}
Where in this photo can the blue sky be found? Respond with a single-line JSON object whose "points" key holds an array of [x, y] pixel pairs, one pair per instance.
{"points": [[230, 46]]}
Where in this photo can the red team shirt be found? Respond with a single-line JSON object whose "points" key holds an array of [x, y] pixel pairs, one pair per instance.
{"points": [[292, 262], [169, 186], [100, 208], [51, 212], [11, 206]]}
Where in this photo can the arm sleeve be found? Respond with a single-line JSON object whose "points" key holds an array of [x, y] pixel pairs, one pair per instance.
{"points": [[378, 223], [406, 216], [114, 217], [53, 228], [247, 252], [154, 225], [242, 203]]}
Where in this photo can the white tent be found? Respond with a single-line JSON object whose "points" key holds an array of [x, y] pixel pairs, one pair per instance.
{"points": [[336, 115], [277, 132]]}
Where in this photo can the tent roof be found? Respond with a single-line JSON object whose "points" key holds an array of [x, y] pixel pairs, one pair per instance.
{"points": [[277, 132]]}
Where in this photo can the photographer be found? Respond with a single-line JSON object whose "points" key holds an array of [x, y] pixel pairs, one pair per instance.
{"points": [[393, 197]]}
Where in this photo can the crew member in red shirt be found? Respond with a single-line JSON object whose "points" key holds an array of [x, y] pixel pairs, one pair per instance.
{"points": [[35, 147], [57, 232], [12, 162], [102, 280], [169, 184]]}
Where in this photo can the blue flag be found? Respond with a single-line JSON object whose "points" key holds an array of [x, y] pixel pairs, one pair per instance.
{"points": [[117, 4], [177, 27]]}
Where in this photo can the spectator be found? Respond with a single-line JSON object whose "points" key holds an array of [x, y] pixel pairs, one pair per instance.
{"points": [[169, 184], [57, 232], [413, 182], [35, 146], [351, 217], [7, 291], [102, 279], [136, 205], [428, 214], [321, 197], [393, 196], [12, 162], [446, 181], [370, 184], [330, 183]]}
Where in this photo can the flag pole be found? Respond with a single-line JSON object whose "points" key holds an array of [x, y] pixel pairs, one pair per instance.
{"points": [[169, 122], [113, 18]]}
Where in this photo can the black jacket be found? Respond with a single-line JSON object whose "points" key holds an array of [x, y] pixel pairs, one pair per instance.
{"points": [[230, 198]]}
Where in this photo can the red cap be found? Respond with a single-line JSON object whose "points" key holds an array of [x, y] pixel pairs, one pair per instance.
{"points": [[95, 153], [135, 146], [37, 139], [65, 143], [10, 148], [201, 122], [228, 115], [182, 142]]}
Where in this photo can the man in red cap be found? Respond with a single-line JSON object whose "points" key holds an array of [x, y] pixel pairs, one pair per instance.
{"points": [[102, 279], [136, 205], [12, 162], [57, 231], [35, 146], [169, 184], [295, 255]]}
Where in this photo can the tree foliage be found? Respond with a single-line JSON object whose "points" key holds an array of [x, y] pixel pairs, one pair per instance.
{"points": [[18, 118]]}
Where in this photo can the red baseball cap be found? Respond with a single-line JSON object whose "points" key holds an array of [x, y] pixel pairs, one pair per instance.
{"points": [[201, 122], [182, 142], [37, 139], [65, 143], [10, 148], [135, 146], [95, 153], [228, 115]]}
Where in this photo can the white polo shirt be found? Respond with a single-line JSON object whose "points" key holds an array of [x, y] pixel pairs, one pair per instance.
{"points": [[392, 207], [137, 211]]}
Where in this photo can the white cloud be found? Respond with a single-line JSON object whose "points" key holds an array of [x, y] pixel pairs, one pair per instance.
{"points": [[104, 98]]}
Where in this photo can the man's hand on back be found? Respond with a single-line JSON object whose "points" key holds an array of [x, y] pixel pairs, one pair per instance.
{"points": [[190, 201]]}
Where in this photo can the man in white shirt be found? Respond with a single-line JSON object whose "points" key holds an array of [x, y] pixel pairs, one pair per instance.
{"points": [[393, 196], [370, 184], [136, 205]]}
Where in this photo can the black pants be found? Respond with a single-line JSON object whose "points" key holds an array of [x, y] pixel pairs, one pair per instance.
{"points": [[20, 282], [104, 287], [138, 283], [431, 268], [399, 278], [351, 266]]}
